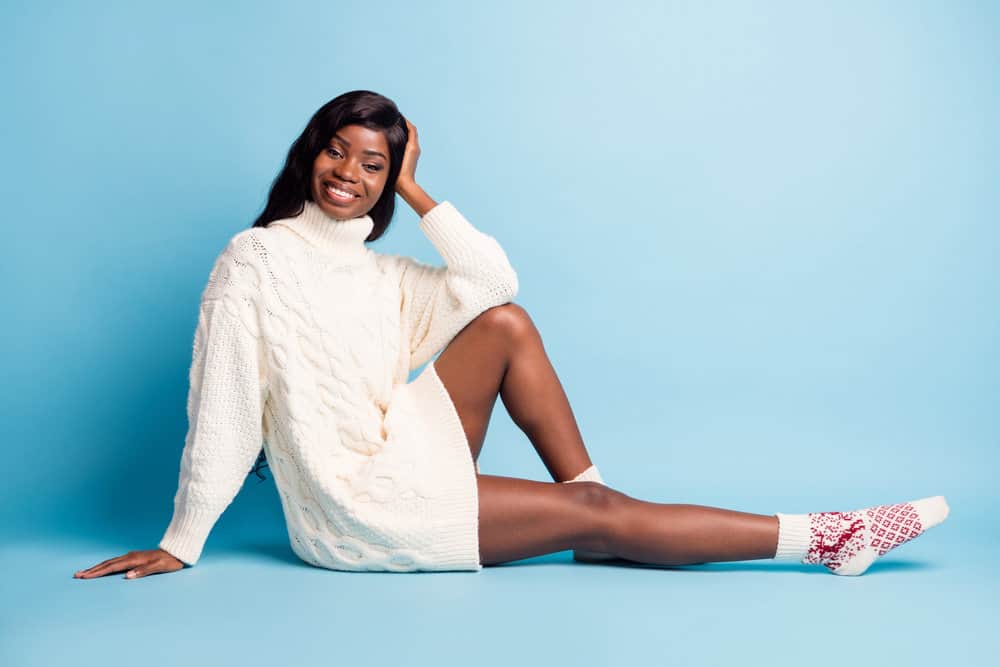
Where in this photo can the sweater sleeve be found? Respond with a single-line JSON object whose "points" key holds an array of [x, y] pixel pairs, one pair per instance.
{"points": [[439, 301], [224, 406]]}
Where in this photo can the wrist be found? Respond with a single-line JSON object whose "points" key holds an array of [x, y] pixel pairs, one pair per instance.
{"points": [[407, 188], [416, 197]]}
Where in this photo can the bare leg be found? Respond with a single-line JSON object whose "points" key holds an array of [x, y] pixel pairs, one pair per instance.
{"points": [[501, 352], [521, 518]]}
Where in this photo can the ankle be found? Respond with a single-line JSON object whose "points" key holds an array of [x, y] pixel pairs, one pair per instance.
{"points": [[591, 474], [847, 543]]}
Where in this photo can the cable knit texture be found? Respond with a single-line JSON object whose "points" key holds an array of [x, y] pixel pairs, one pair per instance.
{"points": [[304, 345]]}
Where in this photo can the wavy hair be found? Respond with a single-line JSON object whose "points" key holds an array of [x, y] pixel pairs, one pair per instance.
{"points": [[292, 187]]}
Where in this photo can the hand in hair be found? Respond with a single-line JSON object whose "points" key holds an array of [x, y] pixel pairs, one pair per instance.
{"points": [[406, 183], [407, 170], [138, 564]]}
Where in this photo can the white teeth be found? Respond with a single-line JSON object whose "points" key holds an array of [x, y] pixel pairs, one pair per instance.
{"points": [[340, 193]]}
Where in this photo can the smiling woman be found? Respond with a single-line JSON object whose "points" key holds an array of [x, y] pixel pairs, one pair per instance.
{"points": [[354, 143], [305, 341], [351, 172], [304, 344]]}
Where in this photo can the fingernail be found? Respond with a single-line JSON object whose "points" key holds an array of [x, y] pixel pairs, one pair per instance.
{"points": [[129, 575]]}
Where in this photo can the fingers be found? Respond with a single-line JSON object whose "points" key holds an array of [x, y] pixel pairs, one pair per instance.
{"points": [[137, 563], [412, 129], [105, 567]]}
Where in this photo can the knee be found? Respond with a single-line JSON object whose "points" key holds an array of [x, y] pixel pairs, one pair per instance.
{"points": [[510, 319], [601, 507], [595, 497]]}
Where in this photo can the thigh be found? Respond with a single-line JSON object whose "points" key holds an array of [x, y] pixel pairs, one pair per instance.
{"points": [[472, 367], [521, 518]]}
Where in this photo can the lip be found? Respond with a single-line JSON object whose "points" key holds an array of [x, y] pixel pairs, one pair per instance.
{"points": [[337, 198]]}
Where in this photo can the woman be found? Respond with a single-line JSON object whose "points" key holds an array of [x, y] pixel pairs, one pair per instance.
{"points": [[304, 343]]}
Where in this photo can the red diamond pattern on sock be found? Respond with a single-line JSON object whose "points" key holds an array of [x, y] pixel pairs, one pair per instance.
{"points": [[892, 525], [838, 537]]}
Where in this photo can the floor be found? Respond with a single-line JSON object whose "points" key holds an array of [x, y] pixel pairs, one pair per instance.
{"points": [[251, 601]]}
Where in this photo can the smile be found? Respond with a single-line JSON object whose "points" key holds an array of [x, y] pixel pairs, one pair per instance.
{"points": [[340, 195]]}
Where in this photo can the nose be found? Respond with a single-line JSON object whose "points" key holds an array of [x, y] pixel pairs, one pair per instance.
{"points": [[346, 171]]}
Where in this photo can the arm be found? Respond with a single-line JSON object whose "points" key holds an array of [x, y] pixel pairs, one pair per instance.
{"points": [[439, 301], [416, 197], [224, 405], [225, 400]]}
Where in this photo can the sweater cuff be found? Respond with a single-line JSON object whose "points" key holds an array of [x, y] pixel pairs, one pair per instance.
{"points": [[185, 537], [458, 241]]}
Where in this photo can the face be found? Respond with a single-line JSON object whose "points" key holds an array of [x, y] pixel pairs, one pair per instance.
{"points": [[350, 173]]}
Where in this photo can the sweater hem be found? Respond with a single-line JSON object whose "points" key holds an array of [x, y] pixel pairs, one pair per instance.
{"points": [[458, 536]]}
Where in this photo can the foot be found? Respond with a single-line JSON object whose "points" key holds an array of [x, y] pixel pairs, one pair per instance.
{"points": [[847, 543]]}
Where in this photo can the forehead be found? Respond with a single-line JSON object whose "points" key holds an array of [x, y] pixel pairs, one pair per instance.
{"points": [[358, 137]]}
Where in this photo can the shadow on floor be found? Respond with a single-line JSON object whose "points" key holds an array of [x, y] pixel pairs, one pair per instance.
{"points": [[563, 558]]}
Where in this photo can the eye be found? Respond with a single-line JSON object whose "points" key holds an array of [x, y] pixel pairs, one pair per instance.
{"points": [[332, 152], [374, 167]]}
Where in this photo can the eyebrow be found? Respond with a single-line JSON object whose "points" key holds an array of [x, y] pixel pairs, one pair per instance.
{"points": [[366, 151]]}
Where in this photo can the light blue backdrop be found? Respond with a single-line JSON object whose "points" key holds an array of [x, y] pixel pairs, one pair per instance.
{"points": [[759, 239]]}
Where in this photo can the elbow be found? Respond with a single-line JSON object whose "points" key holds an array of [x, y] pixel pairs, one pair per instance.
{"points": [[498, 288], [509, 284]]}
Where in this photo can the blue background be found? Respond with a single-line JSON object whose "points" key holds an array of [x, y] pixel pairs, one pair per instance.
{"points": [[759, 240]]}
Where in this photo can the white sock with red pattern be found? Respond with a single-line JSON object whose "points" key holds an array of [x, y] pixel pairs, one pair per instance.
{"points": [[591, 474], [847, 543]]}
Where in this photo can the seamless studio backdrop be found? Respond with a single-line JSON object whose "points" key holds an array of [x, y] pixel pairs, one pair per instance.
{"points": [[759, 240]]}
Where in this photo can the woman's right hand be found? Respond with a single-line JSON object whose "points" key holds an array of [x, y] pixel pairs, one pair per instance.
{"points": [[138, 564], [411, 153]]}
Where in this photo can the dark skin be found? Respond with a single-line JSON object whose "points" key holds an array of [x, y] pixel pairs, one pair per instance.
{"points": [[500, 353]]}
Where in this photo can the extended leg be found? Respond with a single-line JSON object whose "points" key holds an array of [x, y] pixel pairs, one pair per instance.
{"points": [[501, 352], [522, 518]]}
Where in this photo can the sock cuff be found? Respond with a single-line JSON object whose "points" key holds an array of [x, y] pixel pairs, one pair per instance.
{"points": [[591, 474], [793, 536]]}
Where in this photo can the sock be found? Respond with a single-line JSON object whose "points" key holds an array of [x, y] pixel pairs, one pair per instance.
{"points": [[847, 543], [591, 474]]}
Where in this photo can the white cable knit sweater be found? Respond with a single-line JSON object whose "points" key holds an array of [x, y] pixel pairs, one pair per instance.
{"points": [[304, 345]]}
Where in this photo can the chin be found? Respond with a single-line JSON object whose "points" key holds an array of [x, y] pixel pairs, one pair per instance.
{"points": [[338, 212]]}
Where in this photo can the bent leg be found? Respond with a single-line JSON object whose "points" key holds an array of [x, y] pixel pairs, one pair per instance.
{"points": [[521, 518], [501, 352]]}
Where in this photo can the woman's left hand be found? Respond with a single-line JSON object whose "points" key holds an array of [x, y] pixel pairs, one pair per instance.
{"points": [[407, 175]]}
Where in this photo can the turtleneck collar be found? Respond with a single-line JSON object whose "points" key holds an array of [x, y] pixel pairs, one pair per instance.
{"points": [[342, 239]]}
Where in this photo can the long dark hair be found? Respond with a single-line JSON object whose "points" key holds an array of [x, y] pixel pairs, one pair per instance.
{"points": [[292, 187]]}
